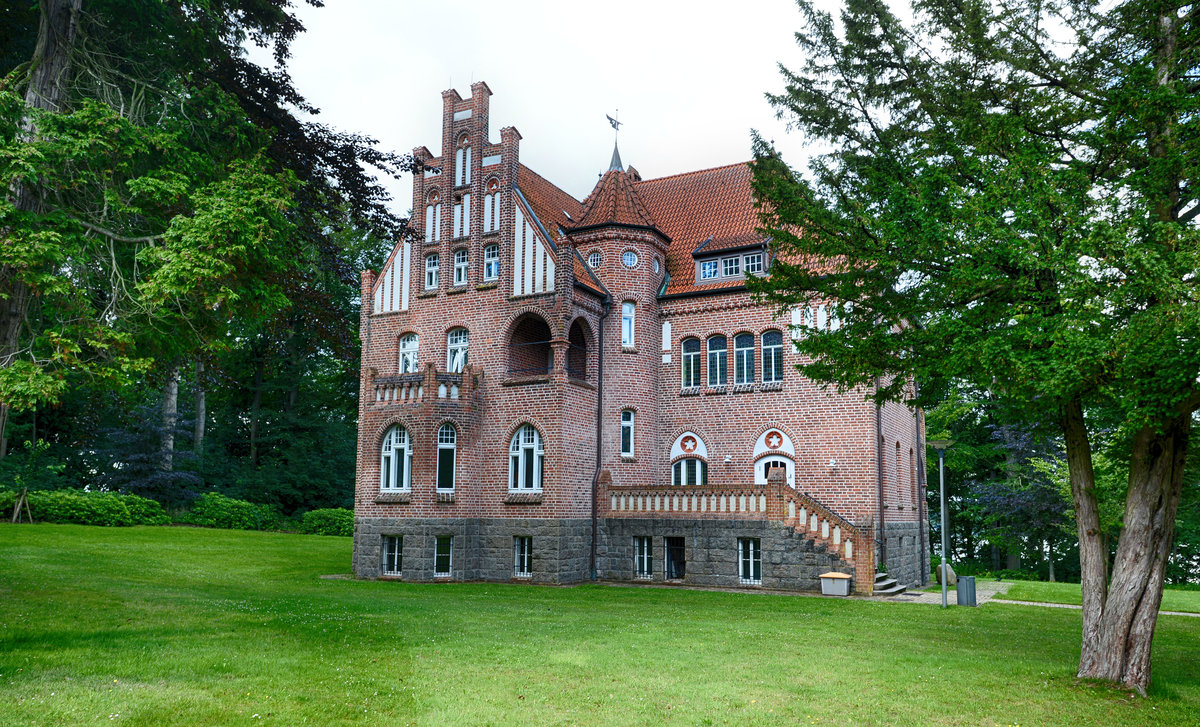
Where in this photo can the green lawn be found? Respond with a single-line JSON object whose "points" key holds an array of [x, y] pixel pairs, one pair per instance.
{"points": [[181, 626], [1173, 599]]}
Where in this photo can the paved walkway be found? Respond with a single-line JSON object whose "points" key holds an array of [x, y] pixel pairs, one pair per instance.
{"points": [[987, 592]]}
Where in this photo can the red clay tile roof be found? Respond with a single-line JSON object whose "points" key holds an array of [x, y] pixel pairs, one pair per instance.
{"points": [[690, 208], [584, 275], [549, 203], [615, 200]]}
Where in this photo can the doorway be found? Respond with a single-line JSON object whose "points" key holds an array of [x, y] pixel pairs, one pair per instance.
{"points": [[676, 566]]}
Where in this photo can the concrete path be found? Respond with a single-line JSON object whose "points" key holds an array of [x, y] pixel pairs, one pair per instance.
{"points": [[988, 592]]}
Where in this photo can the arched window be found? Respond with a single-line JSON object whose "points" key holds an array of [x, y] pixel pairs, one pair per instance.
{"points": [[627, 433], [460, 267], [772, 356], [526, 456], [408, 353], [431, 271], [447, 445], [491, 262], [743, 358], [689, 471], [627, 312], [433, 218], [456, 350], [718, 361], [395, 463], [462, 162], [462, 216], [691, 363], [491, 211]]}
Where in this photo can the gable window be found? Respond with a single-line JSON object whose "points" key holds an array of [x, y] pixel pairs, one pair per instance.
{"points": [[772, 356], [743, 358], [627, 433], [522, 556], [443, 551], [462, 162], [689, 471], [491, 262], [731, 266], [627, 310], [643, 556], [456, 350], [433, 218], [431, 271], [447, 444], [718, 362], [749, 561], [491, 215], [460, 267], [691, 363], [708, 269], [462, 216], [395, 462], [526, 457], [594, 259], [393, 546], [408, 353], [752, 263]]}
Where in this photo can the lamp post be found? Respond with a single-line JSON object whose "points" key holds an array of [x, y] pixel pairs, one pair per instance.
{"points": [[941, 445]]}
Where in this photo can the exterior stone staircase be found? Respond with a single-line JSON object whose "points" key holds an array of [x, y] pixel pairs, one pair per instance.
{"points": [[885, 586]]}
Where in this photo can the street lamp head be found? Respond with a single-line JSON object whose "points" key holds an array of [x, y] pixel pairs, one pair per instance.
{"points": [[940, 445]]}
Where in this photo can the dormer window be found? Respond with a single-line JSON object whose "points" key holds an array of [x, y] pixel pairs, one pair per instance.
{"points": [[708, 270], [731, 266], [752, 263]]}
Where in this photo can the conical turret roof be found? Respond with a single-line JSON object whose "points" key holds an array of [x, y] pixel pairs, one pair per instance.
{"points": [[615, 201]]}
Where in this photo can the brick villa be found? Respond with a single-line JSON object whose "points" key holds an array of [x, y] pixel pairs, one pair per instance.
{"points": [[558, 391]]}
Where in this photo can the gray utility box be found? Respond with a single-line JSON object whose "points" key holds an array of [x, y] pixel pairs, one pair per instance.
{"points": [[835, 584], [966, 591]]}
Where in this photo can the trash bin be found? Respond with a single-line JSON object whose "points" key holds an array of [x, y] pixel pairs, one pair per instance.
{"points": [[966, 590]]}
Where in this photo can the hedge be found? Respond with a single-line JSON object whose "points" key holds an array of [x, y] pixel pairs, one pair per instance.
{"points": [[88, 508], [215, 510], [329, 521]]}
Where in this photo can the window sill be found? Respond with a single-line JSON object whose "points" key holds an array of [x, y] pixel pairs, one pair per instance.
{"points": [[581, 383], [772, 386], [515, 497], [402, 497], [525, 380], [628, 458], [628, 349], [488, 285], [643, 577], [742, 389], [690, 391], [522, 576], [441, 576], [431, 293], [432, 242], [716, 390], [457, 289], [445, 496]]}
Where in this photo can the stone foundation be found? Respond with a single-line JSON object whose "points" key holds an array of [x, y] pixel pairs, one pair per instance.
{"points": [[904, 561]]}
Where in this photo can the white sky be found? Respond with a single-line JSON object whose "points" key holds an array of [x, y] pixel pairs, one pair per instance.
{"points": [[688, 78]]}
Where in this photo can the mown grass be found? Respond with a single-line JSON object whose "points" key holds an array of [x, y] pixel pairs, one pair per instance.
{"points": [[182, 626], [1173, 599]]}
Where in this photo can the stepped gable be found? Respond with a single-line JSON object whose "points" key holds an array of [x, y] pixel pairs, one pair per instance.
{"points": [[713, 208], [553, 207], [615, 201]]}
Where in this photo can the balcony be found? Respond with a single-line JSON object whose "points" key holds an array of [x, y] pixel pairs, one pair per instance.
{"points": [[429, 387]]}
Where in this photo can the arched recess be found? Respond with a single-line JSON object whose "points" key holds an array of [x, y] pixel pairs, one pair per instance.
{"points": [[773, 449], [579, 337], [529, 351]]}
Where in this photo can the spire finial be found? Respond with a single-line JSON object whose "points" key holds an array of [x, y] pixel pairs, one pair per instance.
{"points": [[615, 163]]}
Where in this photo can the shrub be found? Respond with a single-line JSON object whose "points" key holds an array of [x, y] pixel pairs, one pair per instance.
{"points": [[329, 521], [215, 510], [88, 508], [1016, 575]]}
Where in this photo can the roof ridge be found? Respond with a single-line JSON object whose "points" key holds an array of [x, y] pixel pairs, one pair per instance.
{"points": [[695, 171]]}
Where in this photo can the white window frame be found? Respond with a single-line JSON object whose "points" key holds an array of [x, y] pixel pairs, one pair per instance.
{"points": [[395, 452], [643, 557], [391, 548], [525, 450], [410, 344], [743, 360], [522, 556], [627, 423], [437, 544], [731, 266], [432, 263], [709, 269], [628, 313], [772, 357], [629, 259], [447, 440], [752, 262], [690, 363], [689, 472], [433, 222], [749, 558], [718, 374], [457, 348], [491, 262], [462, 263], [595, 259]]}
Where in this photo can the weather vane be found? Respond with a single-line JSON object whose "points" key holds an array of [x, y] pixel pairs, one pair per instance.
{"points": [[615, 124]]}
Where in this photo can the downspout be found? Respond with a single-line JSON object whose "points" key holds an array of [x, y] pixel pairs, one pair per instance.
{"points": [[599, 427], [879, 476]]}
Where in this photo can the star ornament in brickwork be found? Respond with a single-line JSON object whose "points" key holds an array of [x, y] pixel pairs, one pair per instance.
{"points": [[774, 440], [688, 444]]}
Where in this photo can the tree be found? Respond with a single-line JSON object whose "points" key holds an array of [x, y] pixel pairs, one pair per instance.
{"points": [[1010, 201], [160, 187]]}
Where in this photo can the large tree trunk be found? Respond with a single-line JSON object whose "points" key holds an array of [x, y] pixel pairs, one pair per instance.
{"points": [[49, 77], [1119, 617], [201, 410], [170, 413]]}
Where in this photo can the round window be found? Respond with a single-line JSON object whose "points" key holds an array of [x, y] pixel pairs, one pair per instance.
{"points": [[656, 265], [629, 259], [594, 260]]}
